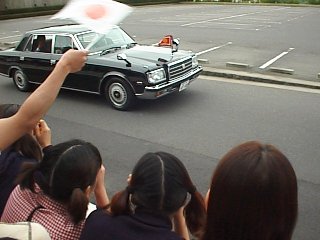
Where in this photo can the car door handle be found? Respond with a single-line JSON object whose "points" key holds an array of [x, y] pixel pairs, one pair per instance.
{"points": [[21, 58], [52, 62]]}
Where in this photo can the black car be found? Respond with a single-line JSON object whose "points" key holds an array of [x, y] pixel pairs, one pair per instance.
{"points": [[117, 67]]}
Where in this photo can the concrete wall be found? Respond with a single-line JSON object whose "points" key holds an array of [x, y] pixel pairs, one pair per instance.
{"points": [[16, 4]]}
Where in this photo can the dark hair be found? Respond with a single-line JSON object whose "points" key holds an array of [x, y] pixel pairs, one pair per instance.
{"points": [[27, 145], [253, 195], [65, 172], [160, 184]]}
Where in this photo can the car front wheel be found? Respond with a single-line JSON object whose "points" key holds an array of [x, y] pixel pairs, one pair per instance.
{"points": [[119, 94], [21, 81]]}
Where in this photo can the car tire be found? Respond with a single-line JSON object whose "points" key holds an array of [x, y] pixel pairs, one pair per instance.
{"points": [[20, 80], [120, 94]]}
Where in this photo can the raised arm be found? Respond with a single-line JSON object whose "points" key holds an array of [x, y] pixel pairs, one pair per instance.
{"points": [[39, 102], [102, 199], [180, 225]]}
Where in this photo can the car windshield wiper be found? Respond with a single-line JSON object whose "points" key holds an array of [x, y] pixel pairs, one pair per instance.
{"points": [[111, 49]]}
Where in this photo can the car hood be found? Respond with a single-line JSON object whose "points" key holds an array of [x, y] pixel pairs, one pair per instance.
{"points": [[150, 53], [149, 57]]}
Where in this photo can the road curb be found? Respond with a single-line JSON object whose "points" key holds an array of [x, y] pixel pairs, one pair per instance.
{"points": [[256, 77]]}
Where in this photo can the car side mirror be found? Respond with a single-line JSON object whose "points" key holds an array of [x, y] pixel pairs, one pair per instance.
{"points": [[123, 57]]}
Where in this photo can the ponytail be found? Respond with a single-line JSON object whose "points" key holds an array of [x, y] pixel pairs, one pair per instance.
{"points": [[120, 203], [28, 147], [78, 205], [26, 176], [195, 213]]}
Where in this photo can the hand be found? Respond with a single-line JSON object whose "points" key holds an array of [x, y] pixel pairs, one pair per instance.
{"points": [[206, 200], [100, 179], [129, 179], [73, 60], [100, 192], [43, 134], [179, 224]]}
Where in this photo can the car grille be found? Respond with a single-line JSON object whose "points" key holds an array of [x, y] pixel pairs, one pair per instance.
{"points": [[179, 68]]}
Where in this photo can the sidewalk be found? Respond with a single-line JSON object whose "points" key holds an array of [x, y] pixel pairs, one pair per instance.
{"points": [[257, 77]]}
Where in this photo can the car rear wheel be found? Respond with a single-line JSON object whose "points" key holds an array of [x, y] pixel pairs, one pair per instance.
{"points": [[119, 93], [21, 81]]}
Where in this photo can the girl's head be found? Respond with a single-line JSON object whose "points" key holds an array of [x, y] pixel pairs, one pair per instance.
{"points": [[160, 184], [27, 144], [253, 195], [67, 173]]}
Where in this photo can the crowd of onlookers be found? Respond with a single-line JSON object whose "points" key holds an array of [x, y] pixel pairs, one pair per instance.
{"points": [[45, 189]]}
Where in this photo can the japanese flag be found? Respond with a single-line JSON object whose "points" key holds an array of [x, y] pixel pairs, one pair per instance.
{"points": [[97, 15]]}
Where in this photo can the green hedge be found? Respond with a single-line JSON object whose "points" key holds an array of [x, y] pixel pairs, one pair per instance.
{"points": [[263, 1], [145, 2]]}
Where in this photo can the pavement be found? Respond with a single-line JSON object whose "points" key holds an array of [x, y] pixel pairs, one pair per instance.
{"points": [[257, 77], [232, 71]]}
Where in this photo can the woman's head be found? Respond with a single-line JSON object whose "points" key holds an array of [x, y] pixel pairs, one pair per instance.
{"points": [[160, 184], [66, 173], [27, 144], [253, 195], [8, 110]]}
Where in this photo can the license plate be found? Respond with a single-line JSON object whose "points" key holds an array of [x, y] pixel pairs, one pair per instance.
{"points": [[183, 85]]}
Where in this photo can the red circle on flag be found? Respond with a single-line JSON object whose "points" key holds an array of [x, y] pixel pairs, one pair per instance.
{"points": [[95, 11]]}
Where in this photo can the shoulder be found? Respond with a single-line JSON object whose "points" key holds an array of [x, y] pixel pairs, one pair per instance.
{"points": [[11, 158], [96, 225], [98, 216]]}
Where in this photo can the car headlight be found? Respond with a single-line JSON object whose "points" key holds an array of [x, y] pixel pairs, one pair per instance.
{"points": [[156, 76], [194, 61]]}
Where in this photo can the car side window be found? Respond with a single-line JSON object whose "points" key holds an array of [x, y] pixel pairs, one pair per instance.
{"points": [[40, 43], [62, 44], [28, 47]]}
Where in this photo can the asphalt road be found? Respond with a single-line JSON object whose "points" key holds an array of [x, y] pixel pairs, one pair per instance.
{"points": [[202, 123], [198, 125], [260, 37]]}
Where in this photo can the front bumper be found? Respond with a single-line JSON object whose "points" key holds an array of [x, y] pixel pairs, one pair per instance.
{"points": [[165, 88]]}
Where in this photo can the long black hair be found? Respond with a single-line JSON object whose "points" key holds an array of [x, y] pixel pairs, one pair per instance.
{"points": [[160, 184], [64, 174]]}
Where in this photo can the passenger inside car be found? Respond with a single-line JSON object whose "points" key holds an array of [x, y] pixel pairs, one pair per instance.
{"points": [[39, 44]]}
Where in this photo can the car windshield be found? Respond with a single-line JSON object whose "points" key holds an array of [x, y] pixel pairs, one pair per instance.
{"points": [[116, 37]]}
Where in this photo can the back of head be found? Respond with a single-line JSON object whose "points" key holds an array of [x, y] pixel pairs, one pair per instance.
{"points": [[253, 195], [26, 145], [8, 110], [160, 184], [157, 183], [65, 173]]}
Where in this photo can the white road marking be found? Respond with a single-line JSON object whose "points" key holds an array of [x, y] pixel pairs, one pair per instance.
{"points": [[214, 48], [229, 17], [230, 28], [275, 59], [10, 37], [216, 19], [259, 84]]}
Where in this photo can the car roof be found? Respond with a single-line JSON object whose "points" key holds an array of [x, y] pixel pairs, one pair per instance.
{"points": [[72, 29]]}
